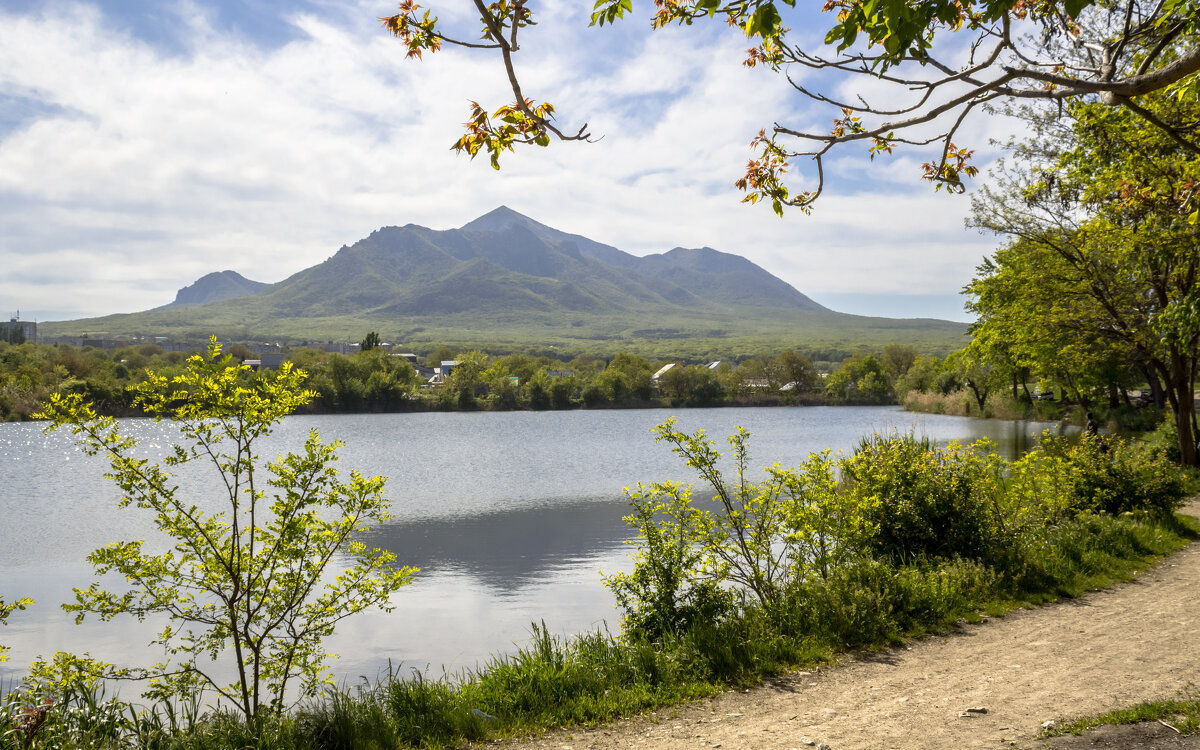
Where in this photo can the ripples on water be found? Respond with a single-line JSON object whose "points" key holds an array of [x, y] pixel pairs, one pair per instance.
{"points": [[509, 515]]}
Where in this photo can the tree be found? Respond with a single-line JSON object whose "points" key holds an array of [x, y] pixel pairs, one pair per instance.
{"points": [[691, 385], [1057, 51], [371, 341], [629, 375], [922, 375], [467, 379], [441, 354], [897, 359], [1104, 260], [239, 352], [860, 379], [502, 385], [250, 573], [977, 371], [1038, 316], [793, 368]]}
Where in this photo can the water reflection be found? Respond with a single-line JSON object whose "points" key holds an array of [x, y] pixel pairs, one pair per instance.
{"points": [[507, 551]]}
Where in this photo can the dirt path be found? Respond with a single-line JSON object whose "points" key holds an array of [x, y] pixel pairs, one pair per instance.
{"points": [[1114, 648]]}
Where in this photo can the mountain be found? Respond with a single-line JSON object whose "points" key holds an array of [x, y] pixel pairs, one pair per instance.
{"points": [[507, 281], [215, 287]]}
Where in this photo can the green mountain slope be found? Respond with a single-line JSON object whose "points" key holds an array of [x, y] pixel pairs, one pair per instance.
{"points": [[504, 281], [215, 287]]}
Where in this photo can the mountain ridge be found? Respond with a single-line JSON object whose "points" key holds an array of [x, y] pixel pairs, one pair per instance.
{"points": [[506, 278]]}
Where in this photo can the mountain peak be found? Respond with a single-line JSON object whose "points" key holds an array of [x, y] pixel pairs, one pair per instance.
{"points": [[500, 218], [215, 287]]}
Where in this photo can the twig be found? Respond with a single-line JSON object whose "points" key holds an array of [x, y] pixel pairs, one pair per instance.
{"points": [[1168, 726]]}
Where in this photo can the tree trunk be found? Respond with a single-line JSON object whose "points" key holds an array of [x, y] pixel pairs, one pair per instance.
{"points": [[1156, 389], [1183, 401]]}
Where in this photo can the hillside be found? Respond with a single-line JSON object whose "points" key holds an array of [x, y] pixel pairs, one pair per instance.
{"points": [[216, 287], [504, 281]]}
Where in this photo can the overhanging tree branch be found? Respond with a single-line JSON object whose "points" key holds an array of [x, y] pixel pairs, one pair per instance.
{"points": [[1075, 49]]}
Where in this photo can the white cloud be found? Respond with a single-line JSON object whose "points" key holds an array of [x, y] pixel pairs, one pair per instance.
{"points": [[148, 167]]}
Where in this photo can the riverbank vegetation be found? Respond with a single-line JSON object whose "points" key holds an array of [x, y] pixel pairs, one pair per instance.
{"points": [[899, 539], [375, 379]]}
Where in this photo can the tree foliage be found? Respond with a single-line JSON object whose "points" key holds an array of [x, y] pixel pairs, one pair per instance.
{"points": [[6, 610], [943, 59], [861, 379], [267, 571], [369, 342], [1103, 262]]}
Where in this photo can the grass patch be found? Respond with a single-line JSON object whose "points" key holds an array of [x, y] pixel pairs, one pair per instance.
{"points": [[1181, 713]]}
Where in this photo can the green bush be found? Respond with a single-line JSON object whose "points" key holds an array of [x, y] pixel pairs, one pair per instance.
{"points": [[926, 502], [667, 591], [1117, 476], [1165, 438]]}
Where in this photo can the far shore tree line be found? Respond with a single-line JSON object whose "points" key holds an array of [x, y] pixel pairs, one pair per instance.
{"points": [[375, 380], [961, 383]]}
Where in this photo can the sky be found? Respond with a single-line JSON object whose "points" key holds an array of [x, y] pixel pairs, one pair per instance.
{"points": [[145, 144]]}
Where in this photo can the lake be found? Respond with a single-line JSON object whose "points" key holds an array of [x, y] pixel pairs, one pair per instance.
{"points": [[509, 515]]}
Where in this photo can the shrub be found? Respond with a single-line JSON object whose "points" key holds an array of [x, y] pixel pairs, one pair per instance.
{"points": [[1116, 475], [668, 590], [925, 502], [1165, 438]]}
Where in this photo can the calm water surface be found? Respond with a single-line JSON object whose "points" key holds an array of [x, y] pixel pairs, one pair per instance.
{"points": [[509, 515]]}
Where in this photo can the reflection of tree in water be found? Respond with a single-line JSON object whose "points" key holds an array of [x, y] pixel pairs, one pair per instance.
{"points": [[511, 549]]}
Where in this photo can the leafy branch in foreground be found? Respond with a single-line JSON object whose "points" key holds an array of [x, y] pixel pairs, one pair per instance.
{"points": [[253, 573], [6, 609], [938, 62]]}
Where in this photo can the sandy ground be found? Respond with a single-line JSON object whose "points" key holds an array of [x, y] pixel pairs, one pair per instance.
{"points": [[1134, 642]]}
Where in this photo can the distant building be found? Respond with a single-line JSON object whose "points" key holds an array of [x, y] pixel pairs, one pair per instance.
{"points": [[441, 373], [272, 360], [662, 371], [18, 331]]}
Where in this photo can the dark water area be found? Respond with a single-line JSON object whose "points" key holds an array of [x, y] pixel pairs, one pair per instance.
{"points": [[510, 516]]}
